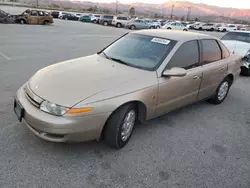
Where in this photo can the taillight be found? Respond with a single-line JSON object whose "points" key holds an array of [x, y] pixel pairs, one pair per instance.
{"points": [[238, 27]]}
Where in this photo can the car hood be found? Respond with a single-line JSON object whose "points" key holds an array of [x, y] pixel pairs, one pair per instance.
{"points": [[237, 46], [73, 81]]}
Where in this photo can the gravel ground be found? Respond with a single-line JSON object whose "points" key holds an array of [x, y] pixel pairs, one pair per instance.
{"points": [[200, 146]]}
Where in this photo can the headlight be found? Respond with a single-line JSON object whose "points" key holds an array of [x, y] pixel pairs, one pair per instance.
{"points": [[58, 110], [54, 109]]}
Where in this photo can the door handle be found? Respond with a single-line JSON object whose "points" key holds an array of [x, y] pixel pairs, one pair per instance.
{"points": [[196, 77]]}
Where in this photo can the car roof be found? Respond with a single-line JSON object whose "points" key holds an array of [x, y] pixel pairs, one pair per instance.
{"points": [[175, 35]]}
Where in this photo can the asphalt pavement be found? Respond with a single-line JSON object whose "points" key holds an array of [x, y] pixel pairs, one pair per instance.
{"points": [[199, 146]]}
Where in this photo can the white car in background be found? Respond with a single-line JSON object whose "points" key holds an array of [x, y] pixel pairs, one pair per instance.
{"points": [[175, 26], [61, 14], [208, 27], [199, 26], [120, 21], [239, 42], [228, 27]]}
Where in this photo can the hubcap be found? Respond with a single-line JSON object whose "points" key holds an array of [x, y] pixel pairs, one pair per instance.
{"points": [[128, 125], [223, 90]]}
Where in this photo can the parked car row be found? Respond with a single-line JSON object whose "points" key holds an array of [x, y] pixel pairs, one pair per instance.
{"points": [[220, 27]]}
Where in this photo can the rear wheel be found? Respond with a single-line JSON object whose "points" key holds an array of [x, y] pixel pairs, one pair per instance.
{"points": [[151, 27], [95, 21], [118, 25], [157, 27], [66, 18], [212, 29], [120, 126], [224, 30], [184, 29], [22, 21], [105, 23], [169, 28], [222, 91], [45, 23]]}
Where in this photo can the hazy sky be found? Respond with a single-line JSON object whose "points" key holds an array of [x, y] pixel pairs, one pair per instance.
{"points": [[222, 3]]}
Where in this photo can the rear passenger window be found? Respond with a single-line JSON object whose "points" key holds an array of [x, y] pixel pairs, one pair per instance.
{"points": [[187, 56], [211, 51]]}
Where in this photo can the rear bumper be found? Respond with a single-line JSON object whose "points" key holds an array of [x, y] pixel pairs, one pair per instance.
{"points": [[61, 128]]}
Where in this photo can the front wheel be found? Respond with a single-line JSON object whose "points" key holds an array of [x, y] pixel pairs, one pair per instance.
{"points": [[120, 125], [151, 27], [157, 27], [169, 28], [105, 23], [222, 91], [184, 29]]}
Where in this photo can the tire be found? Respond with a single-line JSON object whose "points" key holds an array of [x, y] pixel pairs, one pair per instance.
{"points": [[184, 29], [119, 25], [157, 27], [132, 27], [220, 95], [46, 23], [224, 30], [95, 21], [245, 71], [114, 134], [169, 28], [66, 18], [105, 23], [151, 27], [22, 21], [212, 29], [200, 28]]}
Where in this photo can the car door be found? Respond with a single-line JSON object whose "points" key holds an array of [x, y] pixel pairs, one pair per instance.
{"points": [[214, 67], [173, 26], [178, 26], [33, 17], [175, 92]]}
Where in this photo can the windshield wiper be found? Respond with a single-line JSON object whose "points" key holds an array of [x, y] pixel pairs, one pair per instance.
{"points": [[106, 55], [120, 61]]}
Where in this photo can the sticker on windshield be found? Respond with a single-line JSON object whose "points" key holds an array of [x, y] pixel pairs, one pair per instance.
{"points": [[160, 41]]}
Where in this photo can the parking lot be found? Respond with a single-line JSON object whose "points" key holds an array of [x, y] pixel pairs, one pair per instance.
{"points": [[199, 146]]}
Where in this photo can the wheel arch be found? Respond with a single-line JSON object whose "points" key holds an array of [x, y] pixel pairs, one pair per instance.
{"points": [[141, 113], [231, 77]]}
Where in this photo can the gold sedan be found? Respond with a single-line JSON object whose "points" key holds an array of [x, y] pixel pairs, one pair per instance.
{"points": [[138, 77]]}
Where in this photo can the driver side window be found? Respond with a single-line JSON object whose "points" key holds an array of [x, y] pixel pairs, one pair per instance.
{"points": [[187, 56]]}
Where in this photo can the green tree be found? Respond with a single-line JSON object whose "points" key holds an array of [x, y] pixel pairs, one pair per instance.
{"points": [[132, 11]]}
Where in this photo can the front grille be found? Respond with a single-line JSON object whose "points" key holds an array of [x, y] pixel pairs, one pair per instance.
{"points": [[32, 100]]}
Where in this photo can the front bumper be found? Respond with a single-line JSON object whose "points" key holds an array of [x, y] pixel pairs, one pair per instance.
{"points": [[61, 128]]}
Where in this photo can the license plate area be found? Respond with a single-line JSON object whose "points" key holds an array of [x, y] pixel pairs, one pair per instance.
{"points": [[18, 109]]}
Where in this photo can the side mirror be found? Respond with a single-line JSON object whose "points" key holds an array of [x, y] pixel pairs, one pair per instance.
{"points": [[175, 71]]}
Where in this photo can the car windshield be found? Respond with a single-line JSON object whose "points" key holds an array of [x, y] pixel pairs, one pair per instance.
{"points": [[140, 51], [239, 36]]}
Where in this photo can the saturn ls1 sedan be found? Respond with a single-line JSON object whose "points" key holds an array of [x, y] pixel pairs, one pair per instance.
{"points": [[138, 77]]}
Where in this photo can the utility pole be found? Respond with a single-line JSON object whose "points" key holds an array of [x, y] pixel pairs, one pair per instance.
{"points": [[189, 12], [172, 10], [116, 8]]}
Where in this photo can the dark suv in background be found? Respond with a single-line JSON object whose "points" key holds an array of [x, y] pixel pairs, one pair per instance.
{"points": [[106, 20]]}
